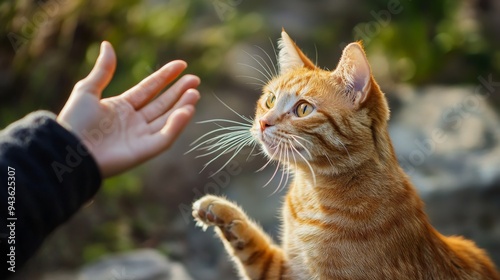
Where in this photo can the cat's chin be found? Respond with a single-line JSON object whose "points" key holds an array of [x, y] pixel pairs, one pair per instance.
{"points": [[283, 154], [270, 149]]}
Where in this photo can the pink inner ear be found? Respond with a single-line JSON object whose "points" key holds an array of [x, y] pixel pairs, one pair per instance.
{"points": [[355, 72]]}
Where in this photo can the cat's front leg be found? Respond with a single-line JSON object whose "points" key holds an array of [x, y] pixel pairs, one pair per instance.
{"points": [[252, 250]]}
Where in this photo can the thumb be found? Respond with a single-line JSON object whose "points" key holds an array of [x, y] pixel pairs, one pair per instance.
{"points": [[103, 71]]}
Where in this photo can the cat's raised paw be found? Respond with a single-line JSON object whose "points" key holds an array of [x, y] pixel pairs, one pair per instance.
{"points": [[216, 211]]}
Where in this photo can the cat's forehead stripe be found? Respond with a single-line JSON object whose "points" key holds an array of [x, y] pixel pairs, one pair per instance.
{"points": [[297, 86]]}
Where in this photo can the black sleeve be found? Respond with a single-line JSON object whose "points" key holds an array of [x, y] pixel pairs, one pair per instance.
{"points": [[46, 175]]}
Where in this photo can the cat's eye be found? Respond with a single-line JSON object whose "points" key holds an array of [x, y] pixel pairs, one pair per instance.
{"points": [[271, 99], [304, 109]]}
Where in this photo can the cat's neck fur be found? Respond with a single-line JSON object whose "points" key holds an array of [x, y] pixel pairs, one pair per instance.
{"points": [[380, 178], [377, 177]]}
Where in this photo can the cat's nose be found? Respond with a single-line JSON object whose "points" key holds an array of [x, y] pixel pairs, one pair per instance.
{"points": [[264, 124]]}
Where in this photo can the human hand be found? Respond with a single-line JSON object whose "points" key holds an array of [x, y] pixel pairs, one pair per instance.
{"points": [[125, 130]]}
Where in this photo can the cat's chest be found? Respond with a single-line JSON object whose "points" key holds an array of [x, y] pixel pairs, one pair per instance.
{"points": [[319, 247], [305, 241], [327, 246]]}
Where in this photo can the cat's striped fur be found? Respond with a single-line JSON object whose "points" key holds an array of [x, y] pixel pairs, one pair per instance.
{"points": [[351, 212]]}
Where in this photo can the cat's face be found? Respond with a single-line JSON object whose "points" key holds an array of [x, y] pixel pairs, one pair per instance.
{"points": [[323, 118]]}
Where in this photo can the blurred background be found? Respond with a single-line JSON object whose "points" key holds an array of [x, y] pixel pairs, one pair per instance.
{"points": [[437, 61]]}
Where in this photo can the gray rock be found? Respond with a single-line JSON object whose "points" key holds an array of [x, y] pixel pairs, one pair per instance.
{"points": [[448, 140], [136, 265]]}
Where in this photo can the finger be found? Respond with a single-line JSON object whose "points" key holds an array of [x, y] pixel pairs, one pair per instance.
{"points": [[178, 120], [190, 97], [101, 74], [142, 93], [165, 101]]}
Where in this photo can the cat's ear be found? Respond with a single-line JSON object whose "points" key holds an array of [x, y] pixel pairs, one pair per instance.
{"points": [[290, 56], [354, 71]]}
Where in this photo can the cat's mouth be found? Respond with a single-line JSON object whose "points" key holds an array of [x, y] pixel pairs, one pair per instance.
{"points": [[274, 147], [270, 146]]}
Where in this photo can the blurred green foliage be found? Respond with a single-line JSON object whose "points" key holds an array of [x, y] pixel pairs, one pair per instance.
{"points": [[115, 235], [47, 46], [425, 38]]}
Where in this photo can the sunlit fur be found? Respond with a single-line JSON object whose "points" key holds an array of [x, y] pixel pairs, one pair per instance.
{"points": [[350, 212]]}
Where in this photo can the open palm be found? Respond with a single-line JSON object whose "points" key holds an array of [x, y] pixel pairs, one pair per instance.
{"points": [[125, 130]]}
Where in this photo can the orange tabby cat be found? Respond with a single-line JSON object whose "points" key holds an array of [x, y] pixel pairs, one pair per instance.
{"points": [[351, 212]]}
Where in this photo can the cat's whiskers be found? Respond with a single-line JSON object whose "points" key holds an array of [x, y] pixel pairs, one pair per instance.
{"points": [[266, 68], [217, 121], [251, 151], [302, 145], [261, 82], [345, 148], [270, 59], [283, 151], [307, 162], [293, 154], [233, 139], [206, 144], [235, 146], [301, 138], [288, 167], [247, 119], [268, 71], [330, 161], [263, 73], [278, 149], [272, 72], [271, 158]]}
